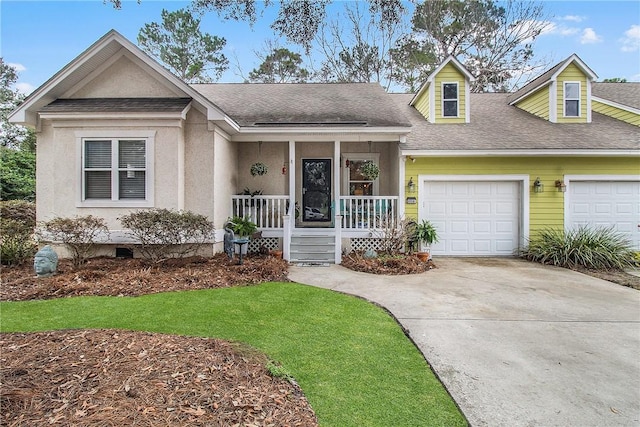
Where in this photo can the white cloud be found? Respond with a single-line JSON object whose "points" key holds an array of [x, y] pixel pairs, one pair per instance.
{"points": [[589, 36], [16, 66], [552, 28], [573, 18], [25, 88], [631, 40]]}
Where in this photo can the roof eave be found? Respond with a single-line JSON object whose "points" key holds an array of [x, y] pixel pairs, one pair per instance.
{"points": [[522, 153]]}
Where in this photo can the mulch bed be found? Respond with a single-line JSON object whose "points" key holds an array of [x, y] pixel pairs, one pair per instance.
{"points": [[133, 277], [386, 264], [118, 378]]}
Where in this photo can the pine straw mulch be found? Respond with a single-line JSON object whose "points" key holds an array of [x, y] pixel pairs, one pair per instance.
{"points": [[386, 264], [118, 378], [134, 277], [114, 378]]}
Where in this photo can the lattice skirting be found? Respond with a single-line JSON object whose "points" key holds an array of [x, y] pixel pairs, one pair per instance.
{"points": [[364, 244], [269, 243]]}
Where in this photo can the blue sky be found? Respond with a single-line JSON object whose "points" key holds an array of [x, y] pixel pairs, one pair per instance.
{"points": [[41, 37]]}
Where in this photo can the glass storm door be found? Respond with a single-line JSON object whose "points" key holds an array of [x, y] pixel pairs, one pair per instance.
{"points": [[316, 190]]}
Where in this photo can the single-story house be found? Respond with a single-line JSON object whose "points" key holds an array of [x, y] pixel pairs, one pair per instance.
{"points": [[117, 132]]}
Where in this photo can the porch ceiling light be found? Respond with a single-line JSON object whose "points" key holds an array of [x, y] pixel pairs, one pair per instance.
{"points": [[561, 186], [538, 187]]}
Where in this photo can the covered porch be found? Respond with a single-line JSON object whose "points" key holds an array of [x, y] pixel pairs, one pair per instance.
{"points": [[315, 201]]}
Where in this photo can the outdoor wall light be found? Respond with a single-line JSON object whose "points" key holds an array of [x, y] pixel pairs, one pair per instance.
{"points": [[411, 185], [413, 159], [561, 186], [538, 187]]}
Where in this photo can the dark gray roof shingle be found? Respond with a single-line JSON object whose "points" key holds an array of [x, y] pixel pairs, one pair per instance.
{"points": [[623, 93], [309, 104], [116, 105], [495, 125]]}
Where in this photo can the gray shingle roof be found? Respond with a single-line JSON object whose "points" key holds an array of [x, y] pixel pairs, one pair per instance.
{"points": [[623, 93], [495, 125], [535, 83], [310, 104], [116, 105]]}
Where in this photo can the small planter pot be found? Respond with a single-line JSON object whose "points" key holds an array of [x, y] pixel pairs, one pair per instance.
{"points": [[277, 253], [423, 256]]}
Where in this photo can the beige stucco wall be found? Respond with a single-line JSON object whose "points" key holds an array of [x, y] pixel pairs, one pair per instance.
{"points": [[274, 155], [199, 165], [123, 79]]}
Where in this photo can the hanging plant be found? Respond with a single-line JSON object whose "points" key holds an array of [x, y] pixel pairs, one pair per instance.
{"points": [[370, 170], [258, 169]]}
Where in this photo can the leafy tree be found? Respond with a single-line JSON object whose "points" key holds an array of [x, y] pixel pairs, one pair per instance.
{"points": [[11, 135], [492, 39], [280, 66], [17, 174], [615, 80], [183, 48]]}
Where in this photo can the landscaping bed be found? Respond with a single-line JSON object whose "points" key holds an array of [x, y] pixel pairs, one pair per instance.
{"points": [[107, 377], [386, 264]]}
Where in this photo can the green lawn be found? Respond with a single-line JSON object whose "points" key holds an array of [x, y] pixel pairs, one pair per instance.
{"points": [[350, 357]]}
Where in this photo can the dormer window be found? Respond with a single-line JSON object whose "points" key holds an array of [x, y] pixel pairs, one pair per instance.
{"points": [[572, 99], [450, 99]]}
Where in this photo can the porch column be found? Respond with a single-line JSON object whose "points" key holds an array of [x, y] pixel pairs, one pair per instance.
{"points": [[401, 193], [289, 222], [337, 165]]}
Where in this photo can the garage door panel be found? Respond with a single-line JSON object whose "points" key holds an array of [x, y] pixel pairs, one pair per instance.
{"points": [[606, 204], [476, 215]]}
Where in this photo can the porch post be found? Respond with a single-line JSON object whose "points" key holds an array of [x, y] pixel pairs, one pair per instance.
{"points": [[401, 172], [337, 165], [289, 222]]}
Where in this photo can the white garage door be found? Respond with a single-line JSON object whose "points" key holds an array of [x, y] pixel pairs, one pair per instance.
{"points": [[478, 218], [606, 203]]}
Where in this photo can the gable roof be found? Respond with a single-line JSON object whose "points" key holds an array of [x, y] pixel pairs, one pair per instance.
{"points": [[450, 59], [92, 59], [626, 94], [550, 76], [503, 129], [117, 105], [305, 104]]}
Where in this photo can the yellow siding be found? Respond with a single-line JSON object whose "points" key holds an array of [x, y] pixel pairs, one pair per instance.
{"points": [[450, 74], [537, 104], [572, 74], [422, 104], [545, 209], [616, 113]]}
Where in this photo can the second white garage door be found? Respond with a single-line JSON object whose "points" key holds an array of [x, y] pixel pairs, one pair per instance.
{"points": [[479, 218]]}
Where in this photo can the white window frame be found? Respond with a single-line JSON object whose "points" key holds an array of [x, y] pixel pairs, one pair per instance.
{"points": [[346, 177], [565, 98], [457, 99], [114, 136]]}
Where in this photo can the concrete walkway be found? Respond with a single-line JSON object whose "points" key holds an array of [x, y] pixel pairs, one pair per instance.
{"points": [[515, 343]]}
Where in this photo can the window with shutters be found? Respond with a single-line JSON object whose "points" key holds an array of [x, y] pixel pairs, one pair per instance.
{"points": [[115, 171]]}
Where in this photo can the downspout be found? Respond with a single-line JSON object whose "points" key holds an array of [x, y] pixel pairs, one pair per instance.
{"points": [[181, 167], [337, 164]]}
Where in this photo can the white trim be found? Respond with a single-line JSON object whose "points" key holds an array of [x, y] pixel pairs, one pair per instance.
{"points": [[430, 79], [584, 67], [467, 102], [148, 136], [521, 153], [332, 130], [569, 178], [588, 101], [524, 195], [181, 169], [615, 104], [402, 160], [565, 99], [432, 103], [553, 102], [443, 100]]}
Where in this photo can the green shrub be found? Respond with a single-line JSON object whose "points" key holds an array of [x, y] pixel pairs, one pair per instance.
{"points": [[599, 248], [79, 234], [164, 233], [17, 223]]}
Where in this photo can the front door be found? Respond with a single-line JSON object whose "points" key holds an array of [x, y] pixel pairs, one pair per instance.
{"points": [[316, 190]]}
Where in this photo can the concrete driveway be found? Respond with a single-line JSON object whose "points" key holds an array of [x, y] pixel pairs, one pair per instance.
{"points": [[515, 343]]}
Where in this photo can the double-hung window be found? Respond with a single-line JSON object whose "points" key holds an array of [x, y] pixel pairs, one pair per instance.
{"points": [[115, 171], [572, 99], [450, 99]]}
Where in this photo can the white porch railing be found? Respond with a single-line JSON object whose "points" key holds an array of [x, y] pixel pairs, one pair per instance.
{"points": [[368, 212], [265, 211]]}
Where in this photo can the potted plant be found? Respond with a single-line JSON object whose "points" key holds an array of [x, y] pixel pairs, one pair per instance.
{"points": [[426, 235], [243, 228], [258, 169], [370, 170]]}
